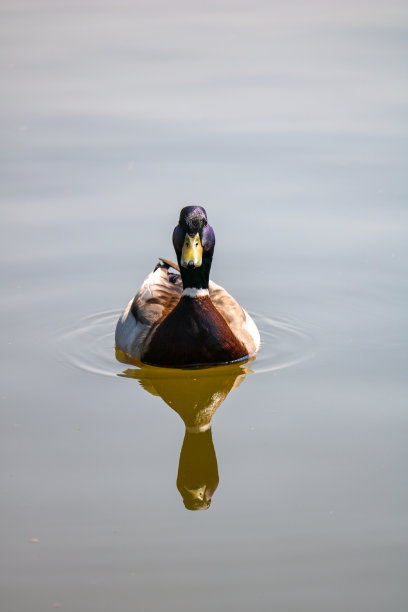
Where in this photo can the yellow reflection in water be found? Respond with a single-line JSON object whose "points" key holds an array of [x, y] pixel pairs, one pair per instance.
{"points": [[195, 395]]}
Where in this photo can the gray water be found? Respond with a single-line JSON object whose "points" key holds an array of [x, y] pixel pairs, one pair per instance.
{"points": [[288, 122]]}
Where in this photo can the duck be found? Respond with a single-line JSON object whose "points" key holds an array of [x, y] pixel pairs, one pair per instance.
{"points": [[179, 318]]}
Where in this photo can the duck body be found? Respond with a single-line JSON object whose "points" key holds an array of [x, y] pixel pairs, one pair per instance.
{"points": [[185, 320]]}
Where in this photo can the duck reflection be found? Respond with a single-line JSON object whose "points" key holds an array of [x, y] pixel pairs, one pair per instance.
{"points": [[195, 395], [197, 477]]}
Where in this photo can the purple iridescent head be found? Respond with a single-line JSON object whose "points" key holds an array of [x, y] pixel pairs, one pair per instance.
{"points": [[194, 241], [193, 221]]}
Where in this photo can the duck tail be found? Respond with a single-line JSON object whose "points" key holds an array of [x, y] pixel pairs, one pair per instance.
{"points": [[166, 263]]}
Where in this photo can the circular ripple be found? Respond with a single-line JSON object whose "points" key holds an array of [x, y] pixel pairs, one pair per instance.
{"points": [[90, 345]]}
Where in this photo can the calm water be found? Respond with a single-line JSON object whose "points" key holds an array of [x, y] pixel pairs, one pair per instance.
{"points": [[288, 121]]}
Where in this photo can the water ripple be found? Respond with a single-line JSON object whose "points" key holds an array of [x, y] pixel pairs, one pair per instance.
{"points": [[90, 344]]}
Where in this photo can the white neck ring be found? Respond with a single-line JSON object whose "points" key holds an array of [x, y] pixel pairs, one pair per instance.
{"points": [[193, 292]]}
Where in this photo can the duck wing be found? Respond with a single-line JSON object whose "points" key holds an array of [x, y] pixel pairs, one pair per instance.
{"points": [[240, 322], [157, 296]]}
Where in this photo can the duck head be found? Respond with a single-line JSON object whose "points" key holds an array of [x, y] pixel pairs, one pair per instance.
{"points": [[194, 241]]}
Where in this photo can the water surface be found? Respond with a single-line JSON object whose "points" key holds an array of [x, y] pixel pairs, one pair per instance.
{"points": [[288, 122]]}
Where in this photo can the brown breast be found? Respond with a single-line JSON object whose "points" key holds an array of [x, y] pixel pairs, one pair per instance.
{"points": [[193, 333]]}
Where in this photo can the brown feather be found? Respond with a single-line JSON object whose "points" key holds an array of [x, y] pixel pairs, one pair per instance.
{"points": [[233, 314], [150, 307], [193, 333]]}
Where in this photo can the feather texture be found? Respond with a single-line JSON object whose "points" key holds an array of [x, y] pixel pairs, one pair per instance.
{"points": [[206, 330]]}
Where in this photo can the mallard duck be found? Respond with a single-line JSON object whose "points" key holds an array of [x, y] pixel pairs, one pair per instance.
{"points": [[181, 318]]}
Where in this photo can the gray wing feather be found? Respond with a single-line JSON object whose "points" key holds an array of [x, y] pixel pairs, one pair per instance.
{"points": [[157, 296]]}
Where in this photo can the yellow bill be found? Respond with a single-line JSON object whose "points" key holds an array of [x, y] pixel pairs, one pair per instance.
{"points": [[192, 252]]}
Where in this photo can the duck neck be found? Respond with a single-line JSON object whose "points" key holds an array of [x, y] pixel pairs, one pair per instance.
{"points": [[195, 280]]}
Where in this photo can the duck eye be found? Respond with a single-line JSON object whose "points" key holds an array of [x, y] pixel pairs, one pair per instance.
{"points": [[196, 243]]}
